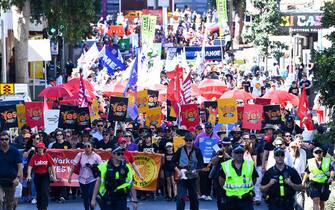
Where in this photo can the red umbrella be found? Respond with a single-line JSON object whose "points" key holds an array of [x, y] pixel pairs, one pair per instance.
{"points": [[281, 97], [74, 84], [210, 88], [238, 95], [55, 92], [114, 89], [90, 96]]}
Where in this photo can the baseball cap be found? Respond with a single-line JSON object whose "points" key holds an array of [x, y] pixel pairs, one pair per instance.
{"points": [[117, 149], [226, 140], [198, 127], [169, 144], [40, 145], [208, 125], [278, 150], [317, 149], [238, 148], [189, 136], [121, 139]]}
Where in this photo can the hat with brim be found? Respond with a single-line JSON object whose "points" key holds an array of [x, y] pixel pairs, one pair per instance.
{"points": [[316, 149], [226, 141]]}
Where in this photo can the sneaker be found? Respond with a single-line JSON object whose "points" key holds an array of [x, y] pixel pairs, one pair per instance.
{"points": [[61, 200], [34, 201], [208, 198], [203, 197]]}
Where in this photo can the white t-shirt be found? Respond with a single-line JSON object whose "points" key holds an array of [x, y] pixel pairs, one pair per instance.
{"points": [[271, 160]]}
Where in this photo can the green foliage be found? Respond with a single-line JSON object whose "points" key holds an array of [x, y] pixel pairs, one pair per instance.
{"points": [[324, 75], [266, 23], [71, 17]]}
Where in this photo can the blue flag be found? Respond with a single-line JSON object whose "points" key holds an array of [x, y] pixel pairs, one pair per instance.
{"points": [[131, 89], [111, 62]]}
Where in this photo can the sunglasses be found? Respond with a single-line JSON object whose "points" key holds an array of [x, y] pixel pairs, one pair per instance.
{"points": [[208, 128], [287, 136], [68, 136], [37, 138], [128, 136], [318, 152], [280, 155], [188, 140], [100, 125], [105, 134], [4, 139], [87, 146], [119, 153], [123, 142], [59, 134]]}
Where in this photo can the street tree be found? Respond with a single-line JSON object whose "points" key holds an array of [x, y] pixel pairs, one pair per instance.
{"points": [[239, 9], [72, 17], [265, 24]]}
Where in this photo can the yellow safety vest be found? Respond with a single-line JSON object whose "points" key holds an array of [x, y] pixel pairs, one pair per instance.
{"points": [[317, 175], [103, 170], [238, 185]]}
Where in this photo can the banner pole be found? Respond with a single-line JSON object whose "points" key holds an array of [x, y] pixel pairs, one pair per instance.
{"points": [[115, 127]]}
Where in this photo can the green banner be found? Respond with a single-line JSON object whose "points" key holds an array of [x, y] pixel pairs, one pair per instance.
{"points": [[124, 45], [222, 14]]}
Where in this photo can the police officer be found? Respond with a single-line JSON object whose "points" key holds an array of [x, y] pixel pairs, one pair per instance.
{"points": [[280, 183], [113, 182], [320, 174], [237, 178]]}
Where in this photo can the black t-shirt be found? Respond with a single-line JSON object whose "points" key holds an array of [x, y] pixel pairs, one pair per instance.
{"points": [[64, 145], [102, 145], [269, 146], [295, 129], [9, 161], [148, 148], [257, 151], [246, 85], [306, 83], [274, 173], [238, 172], [294, 91]]}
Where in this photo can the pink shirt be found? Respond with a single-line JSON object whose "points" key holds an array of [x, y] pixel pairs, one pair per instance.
{"points": [[85, 174]]}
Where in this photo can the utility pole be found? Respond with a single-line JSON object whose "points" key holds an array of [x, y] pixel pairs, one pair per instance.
{"points": [[4, 57]]}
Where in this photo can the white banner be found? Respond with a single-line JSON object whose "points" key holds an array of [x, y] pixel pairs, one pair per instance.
{"points": [[51, 120]]}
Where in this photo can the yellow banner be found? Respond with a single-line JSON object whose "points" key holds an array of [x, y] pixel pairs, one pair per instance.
{"points": [[227, 111], [94, 111], [222, 13], [144, 29], [142, 100], [38, 70], [153, 117], [21, 115], [149, 167], [6, 89], [178, 141]]}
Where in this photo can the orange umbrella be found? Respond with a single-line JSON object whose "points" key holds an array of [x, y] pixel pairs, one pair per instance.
{"points": [[55, 92], [238, 95], [281, 97]]}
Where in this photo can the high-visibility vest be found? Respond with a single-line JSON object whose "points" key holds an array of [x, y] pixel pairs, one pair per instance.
{"points": [[238, 185], [103, 170], [316, 174]]}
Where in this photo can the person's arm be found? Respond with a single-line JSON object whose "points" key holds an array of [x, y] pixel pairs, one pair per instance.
{"points": [[95, 192], [29, 173], [76, 160], [265, 160], [266, 187], [137, 171]]}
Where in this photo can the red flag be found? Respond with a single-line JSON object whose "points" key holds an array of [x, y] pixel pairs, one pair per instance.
{"points": [[82, 100], [174, 88], [186, 90], [303, 111]]}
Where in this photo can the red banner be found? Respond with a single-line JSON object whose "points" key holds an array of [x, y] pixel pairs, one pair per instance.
{"points": [[34, 113], [263, 101], [148, 165], [252, 116], [190, 115], [117, 30]]}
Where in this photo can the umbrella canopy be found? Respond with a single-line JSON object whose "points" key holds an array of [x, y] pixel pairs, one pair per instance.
{"points": [[114, 89], [74, 84], [55, 92], [158, 87], [75, 96], [210, 88], [238, 95], [281, 97]]}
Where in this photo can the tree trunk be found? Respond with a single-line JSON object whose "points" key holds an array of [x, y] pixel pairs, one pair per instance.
{"points": [[240, 7], [21, 21]]}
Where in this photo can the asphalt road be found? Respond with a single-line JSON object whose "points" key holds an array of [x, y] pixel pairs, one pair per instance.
{"points": [[146, 205]]}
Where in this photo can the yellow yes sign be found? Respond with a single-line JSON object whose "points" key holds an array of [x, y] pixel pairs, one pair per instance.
{"points": [[153, 117], [6, 89], [142, 101], [227, 111]]}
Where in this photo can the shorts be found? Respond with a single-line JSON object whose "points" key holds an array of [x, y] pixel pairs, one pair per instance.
{"points": [[318, 190]]}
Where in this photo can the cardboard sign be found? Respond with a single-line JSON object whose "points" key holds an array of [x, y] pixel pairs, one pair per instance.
{"points": [[51, 118], [34, 114], [178, 141], [272, 114], [211, 111], [152, 98], [68, 117], [190, 115], [206, 147], [21, 115], [94, 111], [118, 109], [83, 119], [252, 116], [142, 99], [171, 114], [153, 117], [227, 111], [8, 116]]}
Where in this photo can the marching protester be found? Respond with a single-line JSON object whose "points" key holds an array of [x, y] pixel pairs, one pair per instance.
{"points": [[188, 161], [11, 171], [237, 179], [320, 174], [113, 182], [87, 162], [280, 183], [40, 163]]}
